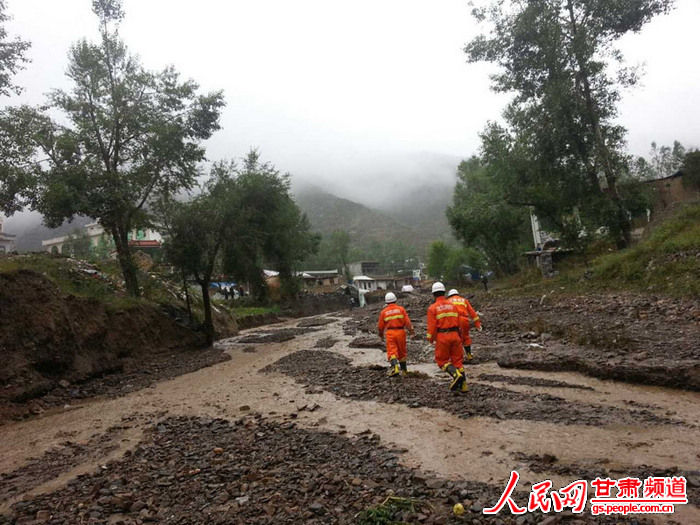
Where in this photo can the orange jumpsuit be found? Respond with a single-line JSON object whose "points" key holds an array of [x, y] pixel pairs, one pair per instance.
{"points": [[465, 310], [444, 321], [395, 321]]}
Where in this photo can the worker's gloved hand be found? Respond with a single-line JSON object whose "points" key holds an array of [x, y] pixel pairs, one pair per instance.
{"points": [[479, 328]]}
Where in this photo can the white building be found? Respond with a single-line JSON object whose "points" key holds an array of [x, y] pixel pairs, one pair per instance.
{"points": [[364, 283], [7, 241], [145, 238]]}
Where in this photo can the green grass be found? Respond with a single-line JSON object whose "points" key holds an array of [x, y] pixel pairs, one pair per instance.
{"points": [[104, 287], [666, 262], [246, 311]]}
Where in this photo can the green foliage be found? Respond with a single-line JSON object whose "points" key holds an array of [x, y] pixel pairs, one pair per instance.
{"points": [[13, 55], [247, 311], [70, 280], [132, 134], [244, 218], [276, 232], [78, 245], [448, 262], [387, 512], [663, 161], [561, 142], [437, 259], [691, 169], [12, 180], [333, 253], [482, 217]]}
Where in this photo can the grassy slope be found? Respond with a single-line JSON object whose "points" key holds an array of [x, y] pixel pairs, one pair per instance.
{"points": [[667, 262]]}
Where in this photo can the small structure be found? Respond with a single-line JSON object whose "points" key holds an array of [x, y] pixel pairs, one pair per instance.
{"points": [[364, 283], [392, 282], [671, 190], [363, 268], [7, 241], [320, 280]]}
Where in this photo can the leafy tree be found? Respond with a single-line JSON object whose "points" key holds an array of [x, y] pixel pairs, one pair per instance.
{"points": [[276, 231], [78, 245], [12, 58], [339, 242], [449, 262], [691, 169], [197, 230], [482, 217], [12, 55], [244, 217], [555, 56], [438, 254], [132, 135]]}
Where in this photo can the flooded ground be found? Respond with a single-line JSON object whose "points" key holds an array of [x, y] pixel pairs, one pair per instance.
{"points": [[408, 435]]}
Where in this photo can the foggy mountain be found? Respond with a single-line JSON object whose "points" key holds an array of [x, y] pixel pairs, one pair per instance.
{"points": [[328, 213], [412, 220], [397, 197]]}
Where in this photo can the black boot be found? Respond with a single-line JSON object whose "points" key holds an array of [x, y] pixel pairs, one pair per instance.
{"points": [[404, 367], [457, 377], [468, 353], [394, 367], [463, 388]]}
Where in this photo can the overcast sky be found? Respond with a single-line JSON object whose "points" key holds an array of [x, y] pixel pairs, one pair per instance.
{"points": [[363, 93]]}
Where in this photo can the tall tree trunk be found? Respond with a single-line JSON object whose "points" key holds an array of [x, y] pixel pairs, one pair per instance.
{"points": [[121, 242], [208, 320], [187, 296], [622, 220]]}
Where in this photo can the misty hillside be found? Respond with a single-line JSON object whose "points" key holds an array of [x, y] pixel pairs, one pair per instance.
{"points": [[329, 213], [417, 218], [422, 208]]}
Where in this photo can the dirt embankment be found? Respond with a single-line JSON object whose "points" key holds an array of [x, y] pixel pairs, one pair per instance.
{"points": [[54, 343]]}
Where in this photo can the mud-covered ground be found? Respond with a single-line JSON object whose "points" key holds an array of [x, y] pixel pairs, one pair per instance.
{"points": [[625, 336], [301, 424]]}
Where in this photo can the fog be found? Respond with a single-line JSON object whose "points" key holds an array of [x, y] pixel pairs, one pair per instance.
{"points": [[364, 98]]}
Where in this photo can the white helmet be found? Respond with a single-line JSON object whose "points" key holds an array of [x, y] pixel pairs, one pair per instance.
{"points": [[438, 287], [452, 292], [390, 298]]}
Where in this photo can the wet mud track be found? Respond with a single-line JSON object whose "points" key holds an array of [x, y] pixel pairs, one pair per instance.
{"points": [[333, 436], [335, 373]]}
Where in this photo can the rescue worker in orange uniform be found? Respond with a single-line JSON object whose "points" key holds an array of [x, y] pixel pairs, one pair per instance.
{"points": [[392, 326], [444, 320], [465, 308]]}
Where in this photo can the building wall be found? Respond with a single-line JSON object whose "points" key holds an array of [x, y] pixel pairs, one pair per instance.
{"points": [[671, 190]]}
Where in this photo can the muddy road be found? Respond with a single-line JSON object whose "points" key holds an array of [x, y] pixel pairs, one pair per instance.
{"points": [[302, 426]]}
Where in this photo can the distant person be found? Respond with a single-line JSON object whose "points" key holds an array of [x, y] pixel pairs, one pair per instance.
{"points": [[485, 282], [392, 326], [225, 293], [467, 312], [443, 331]]}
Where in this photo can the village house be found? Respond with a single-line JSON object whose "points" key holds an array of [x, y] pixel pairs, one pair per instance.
{"points": [[320, 280], [364, 268], [143, 239]]}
